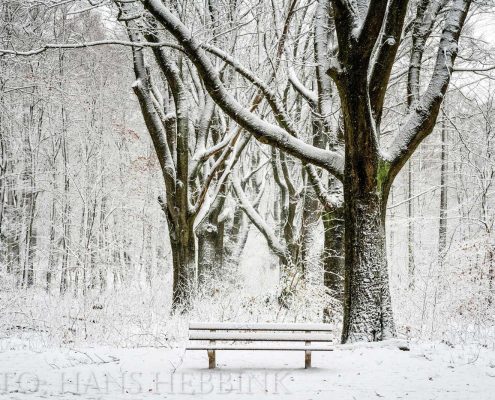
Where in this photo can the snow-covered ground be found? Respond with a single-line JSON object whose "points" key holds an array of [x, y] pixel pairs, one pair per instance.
{"points": [[427, 371]]}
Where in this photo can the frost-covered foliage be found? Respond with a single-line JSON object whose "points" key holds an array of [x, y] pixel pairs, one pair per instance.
{"points": [[140, 315]]}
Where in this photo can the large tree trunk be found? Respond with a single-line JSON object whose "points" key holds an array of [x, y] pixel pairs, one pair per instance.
{"points": [[183, 246], [367, 303]]}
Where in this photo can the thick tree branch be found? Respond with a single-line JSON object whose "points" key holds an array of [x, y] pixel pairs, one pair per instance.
{"points": [[308, 95], [51, 46], [423, 115], [330, 201], [387, 50], [262, 130], [322, 57], [426, 13], [346, 17], [152, 119], [370, 29]]}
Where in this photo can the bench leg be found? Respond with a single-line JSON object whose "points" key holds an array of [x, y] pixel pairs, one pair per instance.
{"points": [[307, 359], [211, 359], [307, 356], [211, 354]]}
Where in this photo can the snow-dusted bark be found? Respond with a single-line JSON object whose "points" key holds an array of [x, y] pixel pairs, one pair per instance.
{"points": [[367, 303]]}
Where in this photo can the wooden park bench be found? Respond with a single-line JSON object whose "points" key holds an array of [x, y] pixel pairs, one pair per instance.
{"points": [[296, 337]]}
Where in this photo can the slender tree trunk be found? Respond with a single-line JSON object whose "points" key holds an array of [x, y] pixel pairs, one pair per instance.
{"points": [[442, 228], [66, 209], [13, 248], [3, 179], [240, 239], [210, 234], [289, 265], [31, 242], [333, 255], [66, 219], [308, 237], [103, 245], [491, 273], [410, 225], [52, 252]]}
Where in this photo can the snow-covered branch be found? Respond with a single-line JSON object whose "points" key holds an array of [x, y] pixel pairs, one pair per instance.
{"points": [[270, 236], [262, 130], [423, 115]]}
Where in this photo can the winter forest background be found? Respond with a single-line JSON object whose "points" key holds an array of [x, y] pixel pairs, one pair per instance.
{"points": [[86, 248]]}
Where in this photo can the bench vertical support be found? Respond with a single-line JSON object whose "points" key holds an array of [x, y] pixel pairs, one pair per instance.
{"points": [[307, 356], [211, 355]]}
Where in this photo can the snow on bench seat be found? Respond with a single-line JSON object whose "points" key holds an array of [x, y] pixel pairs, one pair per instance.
{"points": [[257, 347]]}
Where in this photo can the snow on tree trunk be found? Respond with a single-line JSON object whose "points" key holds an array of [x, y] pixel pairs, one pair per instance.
{"points": [[184, 263], [367, 303]]}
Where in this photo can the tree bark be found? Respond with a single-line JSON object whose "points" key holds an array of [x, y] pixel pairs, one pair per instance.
{"points": [[308, 237], [333, 254], [210, 248], [410, 226], [367, 302], [442, 228], [183, 245], [210, 234]]}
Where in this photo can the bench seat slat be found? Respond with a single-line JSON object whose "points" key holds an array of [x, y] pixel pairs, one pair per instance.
{"points": [[262, 336], [193, 326], [251, 347]]}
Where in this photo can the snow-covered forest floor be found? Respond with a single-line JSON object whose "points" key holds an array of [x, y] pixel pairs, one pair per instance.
{"points": [[126, 345], [430, 370]]}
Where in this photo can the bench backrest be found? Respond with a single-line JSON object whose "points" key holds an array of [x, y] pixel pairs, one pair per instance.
{"points": [[276, 327], [266, 332]]}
